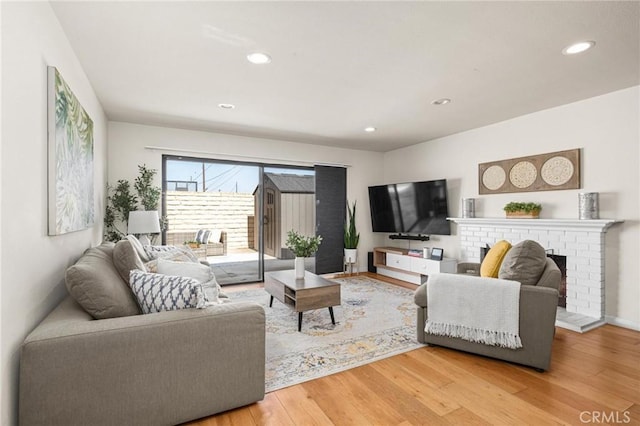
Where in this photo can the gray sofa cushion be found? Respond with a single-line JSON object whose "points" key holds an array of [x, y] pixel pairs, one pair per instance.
{"points": [[96, 285], [126, 259], [524, 263]]}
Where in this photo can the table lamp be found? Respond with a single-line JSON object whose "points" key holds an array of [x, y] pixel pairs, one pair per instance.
{"points": [[144, 222]]}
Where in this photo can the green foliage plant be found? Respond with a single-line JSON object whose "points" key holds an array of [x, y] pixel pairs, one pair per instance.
{"points": [[302, 246], [522, 207], [149, 194], [121, 200], [351, 236]]}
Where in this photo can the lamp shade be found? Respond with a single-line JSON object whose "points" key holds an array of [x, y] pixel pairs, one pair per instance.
{"points": [[144, 222]]}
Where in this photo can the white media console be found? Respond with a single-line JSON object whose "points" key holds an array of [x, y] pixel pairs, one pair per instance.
{"points": [[395, 263]]}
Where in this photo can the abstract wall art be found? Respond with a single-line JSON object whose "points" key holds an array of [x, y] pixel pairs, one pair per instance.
{"points": [[70, 152]]}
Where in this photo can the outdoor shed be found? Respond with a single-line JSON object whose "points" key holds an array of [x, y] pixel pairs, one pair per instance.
{"points": [[289, 203]]}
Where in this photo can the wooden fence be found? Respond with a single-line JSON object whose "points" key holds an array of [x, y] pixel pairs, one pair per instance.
{"points": [[229, 211]]}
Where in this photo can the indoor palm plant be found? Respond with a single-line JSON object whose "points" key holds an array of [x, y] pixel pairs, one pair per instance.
{"points": [[302, 247], [351, 235]]}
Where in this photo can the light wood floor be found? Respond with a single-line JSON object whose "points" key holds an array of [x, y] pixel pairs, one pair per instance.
{"points": [[594, 378]]}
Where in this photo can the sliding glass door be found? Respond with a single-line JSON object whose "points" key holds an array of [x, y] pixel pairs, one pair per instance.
{"points": [[244, 209], [220, 199]]}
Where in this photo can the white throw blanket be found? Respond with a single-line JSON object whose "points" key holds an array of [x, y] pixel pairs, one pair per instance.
{"points": [[482, 310]]}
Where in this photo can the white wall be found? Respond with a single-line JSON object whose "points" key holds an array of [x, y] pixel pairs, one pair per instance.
{"points": [[33, 264], [127, 150], [606, 128]]}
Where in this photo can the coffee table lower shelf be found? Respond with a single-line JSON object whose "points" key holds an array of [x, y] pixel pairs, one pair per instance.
{"points": [[312, 292]]}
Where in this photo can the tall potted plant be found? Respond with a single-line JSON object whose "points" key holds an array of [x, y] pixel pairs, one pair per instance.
{"points": [[351, 235], [302, 247]]}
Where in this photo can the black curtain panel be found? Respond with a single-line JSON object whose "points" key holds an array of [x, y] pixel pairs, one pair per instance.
{"points": [[331, 211]]}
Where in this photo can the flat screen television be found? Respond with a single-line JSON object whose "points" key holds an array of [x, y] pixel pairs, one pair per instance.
{"points": [[411, 208]]}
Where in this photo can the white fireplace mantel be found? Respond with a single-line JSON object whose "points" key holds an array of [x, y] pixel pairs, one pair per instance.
{"points": [[591, 225]]}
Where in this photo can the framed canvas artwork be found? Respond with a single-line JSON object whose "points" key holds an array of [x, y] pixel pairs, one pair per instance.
{"points": [[70, 152]]}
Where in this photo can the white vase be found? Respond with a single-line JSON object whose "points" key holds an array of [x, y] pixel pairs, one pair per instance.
{"points": [[299, 267], [350, 255]]}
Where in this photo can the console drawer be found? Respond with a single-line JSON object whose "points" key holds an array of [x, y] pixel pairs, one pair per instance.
{"points": [[428, 266], [398, 261]]}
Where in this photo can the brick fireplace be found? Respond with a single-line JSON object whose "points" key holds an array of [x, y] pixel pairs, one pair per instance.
{"points": [[581, 241]]}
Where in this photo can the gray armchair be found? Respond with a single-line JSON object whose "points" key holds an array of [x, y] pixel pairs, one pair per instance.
{"points": [[538, 305]]}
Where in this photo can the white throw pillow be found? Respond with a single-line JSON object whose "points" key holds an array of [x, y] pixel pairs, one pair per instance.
{"points": [[201, 273], [158, 292], [215, 236]]}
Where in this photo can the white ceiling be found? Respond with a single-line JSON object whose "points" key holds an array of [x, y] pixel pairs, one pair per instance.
{"points": [[339, 67]]}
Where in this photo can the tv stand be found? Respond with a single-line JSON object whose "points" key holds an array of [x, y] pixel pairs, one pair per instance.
{"points": [[418, 237], [396, 263]]}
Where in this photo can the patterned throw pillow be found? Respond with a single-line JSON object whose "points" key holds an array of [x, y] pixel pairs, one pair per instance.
{"points": [[157, 292], [199, 236], [199, 272], [176, 253]]}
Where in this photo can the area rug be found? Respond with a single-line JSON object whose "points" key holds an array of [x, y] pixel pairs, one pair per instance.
{"points": [[376, 320]]}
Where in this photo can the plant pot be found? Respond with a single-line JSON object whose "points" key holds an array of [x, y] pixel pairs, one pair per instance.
{"points": [[194, 245], [535, 214], [298, 265], [350, 255]]}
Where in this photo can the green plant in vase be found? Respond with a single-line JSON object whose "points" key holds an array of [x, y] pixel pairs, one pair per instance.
{"points": [[351, 235], [302, 246], [523, 210]]}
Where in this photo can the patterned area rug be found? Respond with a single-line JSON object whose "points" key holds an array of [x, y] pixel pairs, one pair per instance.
{"points": [[376, 320]]}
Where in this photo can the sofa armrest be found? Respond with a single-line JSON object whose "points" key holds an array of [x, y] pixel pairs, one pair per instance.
{"points": [[163, 368], [420, 296], [469, 268]]}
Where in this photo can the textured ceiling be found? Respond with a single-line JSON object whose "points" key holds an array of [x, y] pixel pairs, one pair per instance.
{"points": [[339, 67]]}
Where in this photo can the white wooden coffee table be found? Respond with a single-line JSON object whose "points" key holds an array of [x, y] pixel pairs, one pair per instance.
{"points": [[312, 292]]}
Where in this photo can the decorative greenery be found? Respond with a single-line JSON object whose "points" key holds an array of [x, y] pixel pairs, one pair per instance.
{"points": [[522, 207], [121, 200], [351, 236], [302, 246], [149, 194]]}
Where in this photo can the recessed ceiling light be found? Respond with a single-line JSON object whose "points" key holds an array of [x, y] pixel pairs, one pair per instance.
{"points": [[370, 129], [441, 101], [258, 58], [226, 106], [578, 47]]}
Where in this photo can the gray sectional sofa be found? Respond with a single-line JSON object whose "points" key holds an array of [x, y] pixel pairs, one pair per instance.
{"points": [[130, 369]]}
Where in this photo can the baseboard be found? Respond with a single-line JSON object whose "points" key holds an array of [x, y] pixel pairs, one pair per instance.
{"points": [[622, 322]]}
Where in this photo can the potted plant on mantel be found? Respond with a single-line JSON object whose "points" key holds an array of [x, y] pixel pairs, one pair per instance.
{"points": [[351, 236], [302, 247], [523, 210]]}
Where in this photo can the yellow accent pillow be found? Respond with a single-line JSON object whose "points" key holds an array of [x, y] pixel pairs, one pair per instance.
{"points": [[491, 264]]}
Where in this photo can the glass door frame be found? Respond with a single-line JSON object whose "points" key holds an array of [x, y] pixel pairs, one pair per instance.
{"points": [[261, 199]]}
